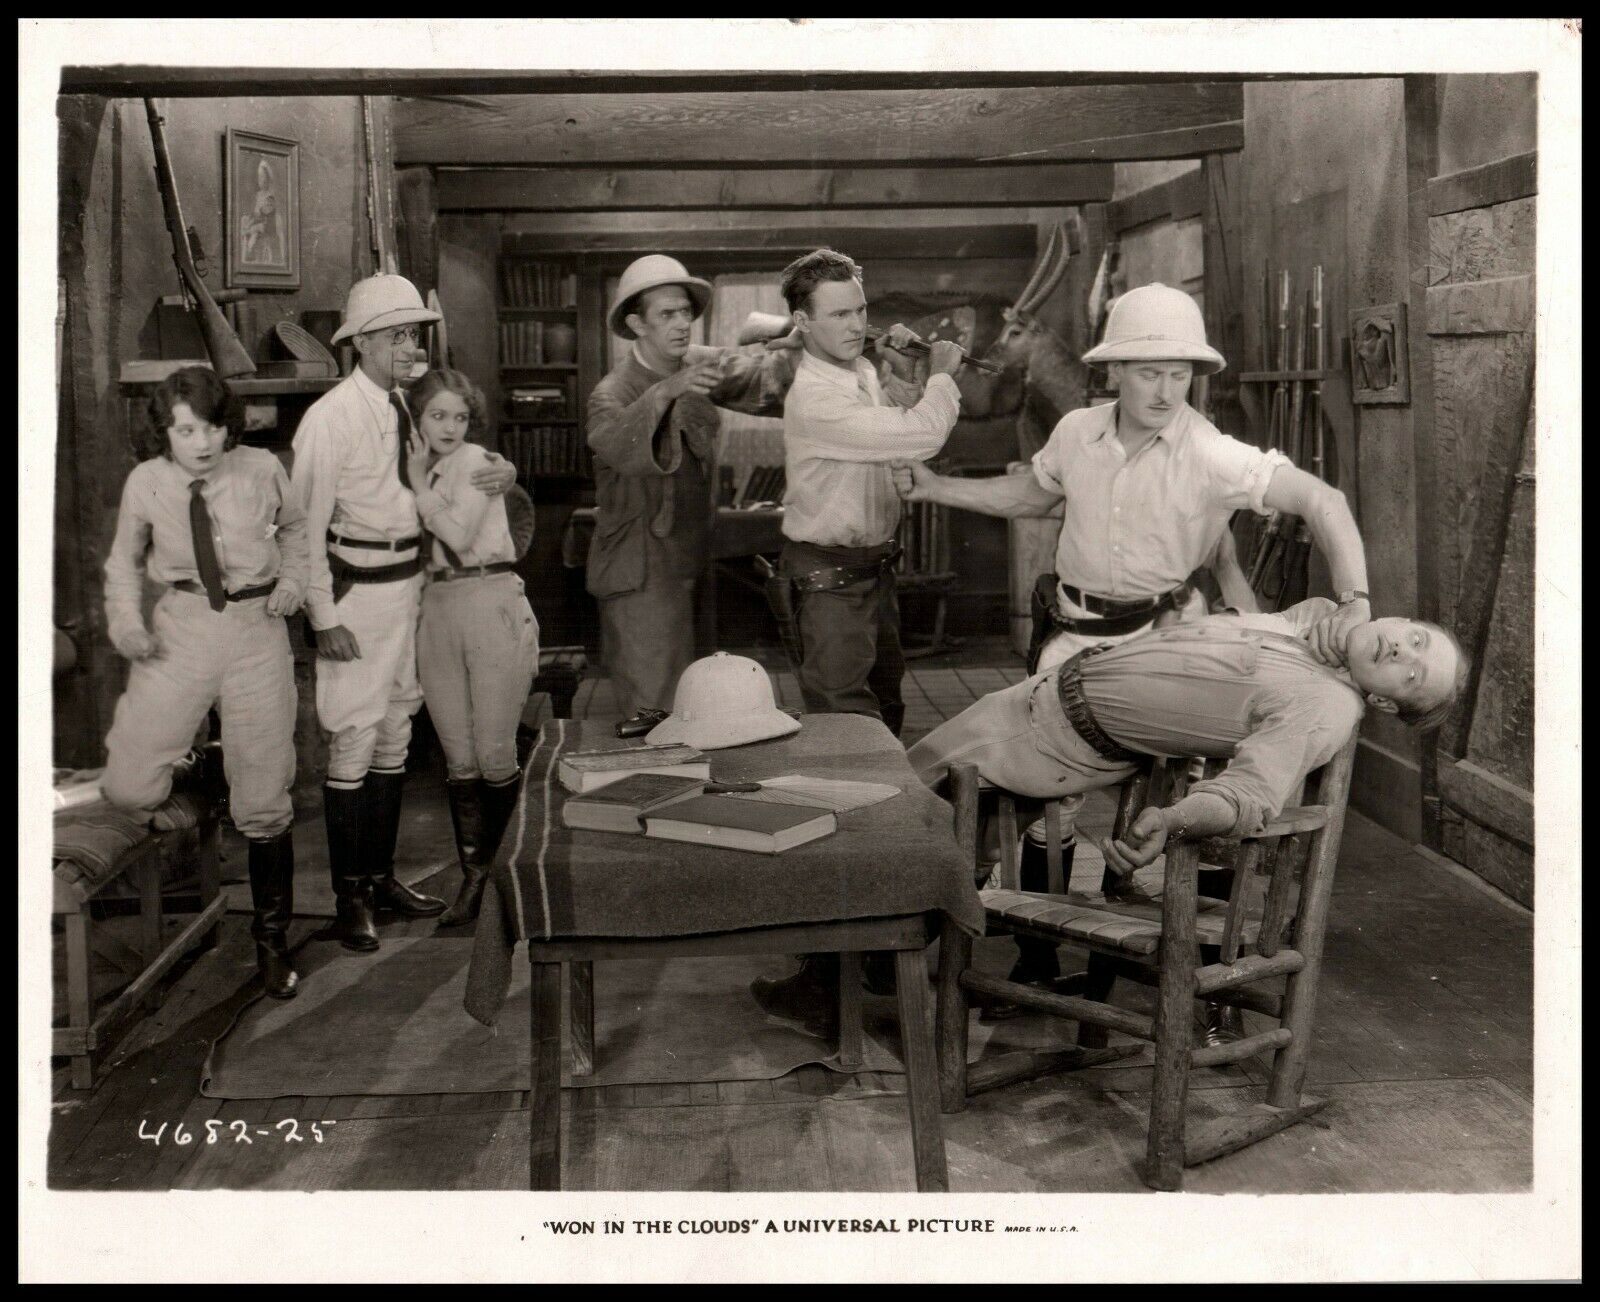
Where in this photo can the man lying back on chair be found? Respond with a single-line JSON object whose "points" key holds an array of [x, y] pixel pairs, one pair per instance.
{"points": [[1241, 687]]}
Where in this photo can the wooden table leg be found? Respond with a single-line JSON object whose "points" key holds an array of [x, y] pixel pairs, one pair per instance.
{"points": [[544, 1096], [922, 1081], [851, 1056], [80, 991], [952, 1016], [580, 1018]]}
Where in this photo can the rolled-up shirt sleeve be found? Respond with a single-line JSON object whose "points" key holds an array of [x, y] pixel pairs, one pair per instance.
{"points": [[1240, 473], [1048, 462], [839, 426], [1290, 736]]}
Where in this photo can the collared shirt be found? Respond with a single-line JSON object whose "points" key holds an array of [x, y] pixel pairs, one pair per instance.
{"points": [[1245, 686], [346, 475], [839, 435], [471, 522], [1139, 526], [257, 526]]}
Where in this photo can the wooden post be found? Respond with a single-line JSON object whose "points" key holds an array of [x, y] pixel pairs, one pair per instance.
{"points": [[417, 228], [952, 1016], [850, 1051], [80, 991], [1224, 284], [580, 1018], [1422, 164], [544, 1094], [148, 880], [922, 1080], [1174, 1020]]}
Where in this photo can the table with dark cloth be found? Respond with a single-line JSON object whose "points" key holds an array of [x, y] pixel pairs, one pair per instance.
{"points": [[894, 858], [888, 879]]}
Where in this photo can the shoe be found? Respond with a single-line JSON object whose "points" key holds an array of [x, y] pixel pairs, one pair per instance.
{"points": [[479, 812], [380, 816], [354, 925], [272, 895], [1220, 1024], [1037, 963], [810, 996]]}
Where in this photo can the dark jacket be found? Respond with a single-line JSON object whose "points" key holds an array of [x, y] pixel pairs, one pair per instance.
{"points": [[655, 462]]}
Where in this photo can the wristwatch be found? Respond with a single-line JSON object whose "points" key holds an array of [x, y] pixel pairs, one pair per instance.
{"points": [[1353, 594]]}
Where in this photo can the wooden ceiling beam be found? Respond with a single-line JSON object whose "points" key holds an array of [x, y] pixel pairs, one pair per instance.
{"points": [[647, 189], [861, 128], [780, 243], [206, 83]]}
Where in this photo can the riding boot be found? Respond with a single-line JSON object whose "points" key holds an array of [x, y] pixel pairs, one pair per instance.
{"points": [[272, 895], [380, 816], [354, 925], [810, 996], [1037, 963], [467, 818], [1220, 1024]]}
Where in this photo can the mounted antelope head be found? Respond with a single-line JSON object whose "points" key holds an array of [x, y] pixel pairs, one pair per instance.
{"points": [[1018, 338]]}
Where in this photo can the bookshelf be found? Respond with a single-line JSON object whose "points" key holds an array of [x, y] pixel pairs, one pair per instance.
{"points": [[541, 425]]}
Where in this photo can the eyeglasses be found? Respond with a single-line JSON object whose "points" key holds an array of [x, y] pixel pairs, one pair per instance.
{"points": [[407, 335]]}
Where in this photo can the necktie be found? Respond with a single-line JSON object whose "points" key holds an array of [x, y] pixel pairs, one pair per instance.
{"points": [[205, 550], [403, 428]]}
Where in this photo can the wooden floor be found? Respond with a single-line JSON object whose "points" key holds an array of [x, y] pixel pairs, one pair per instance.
{"points": [[1424, 1046]]}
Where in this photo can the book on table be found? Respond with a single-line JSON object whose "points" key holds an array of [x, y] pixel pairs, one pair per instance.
{"points": [[739, 824], [583, 771], [621, 806]]}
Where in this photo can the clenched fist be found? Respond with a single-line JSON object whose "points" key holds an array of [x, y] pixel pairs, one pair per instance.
{"points": [[913, 480], [139, 644]]}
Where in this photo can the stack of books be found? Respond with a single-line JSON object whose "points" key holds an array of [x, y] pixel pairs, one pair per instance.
{"points": [[537, 284], [522, 343], [582, 771]]}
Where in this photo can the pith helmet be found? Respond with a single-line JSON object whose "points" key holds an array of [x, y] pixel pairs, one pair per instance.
{"points": [[651, 272], [1156, 323], [721, 701], [379, 302]]}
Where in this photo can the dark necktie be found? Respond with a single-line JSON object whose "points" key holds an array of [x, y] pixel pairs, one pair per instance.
{"points": [[403, 429], [205, 550]]}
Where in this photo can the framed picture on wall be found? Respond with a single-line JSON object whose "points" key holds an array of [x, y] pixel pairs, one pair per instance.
{"points": [[261, 197], [1378, 365]]}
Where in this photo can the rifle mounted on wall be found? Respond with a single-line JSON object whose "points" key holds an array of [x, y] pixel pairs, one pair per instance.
{"points": [[228, 356]]}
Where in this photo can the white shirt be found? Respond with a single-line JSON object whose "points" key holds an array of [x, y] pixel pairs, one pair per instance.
{"points": [[346, 475], [471, 522], [839, 435], [1138, 527]]}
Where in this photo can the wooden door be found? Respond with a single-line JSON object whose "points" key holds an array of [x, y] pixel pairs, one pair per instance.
{"points": [[1480, 322]]}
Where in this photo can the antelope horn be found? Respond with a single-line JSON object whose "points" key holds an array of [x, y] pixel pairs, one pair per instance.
{"points": [[1026, 297], [1047, 286]]}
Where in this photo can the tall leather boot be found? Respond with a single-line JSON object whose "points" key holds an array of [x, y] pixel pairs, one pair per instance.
{"points": [[272, 895], [380, 817], [355, 926], [497, 803], [467, 819], [1038, 963]]}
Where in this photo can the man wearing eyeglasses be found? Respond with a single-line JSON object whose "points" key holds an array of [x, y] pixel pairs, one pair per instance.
{"points": [[350, 477]]}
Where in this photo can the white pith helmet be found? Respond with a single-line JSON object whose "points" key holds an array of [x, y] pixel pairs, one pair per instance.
{"points": [[721, 701], [379, 302], [651, 272], [1156, 323]]}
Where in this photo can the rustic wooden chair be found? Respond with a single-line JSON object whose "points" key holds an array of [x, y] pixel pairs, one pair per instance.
{"points": [[1150, 930]]}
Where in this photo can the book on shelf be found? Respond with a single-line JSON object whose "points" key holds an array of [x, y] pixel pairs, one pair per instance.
{"points": [[582, 771], [622, 806], [735, 824]]}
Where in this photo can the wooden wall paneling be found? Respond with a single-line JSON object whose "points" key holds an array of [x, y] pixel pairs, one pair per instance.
{"points": [[1097, 123], [1421, 101], [1224, 286], [1516, 177], [1182, 197], [417, 227], [647, 189]]}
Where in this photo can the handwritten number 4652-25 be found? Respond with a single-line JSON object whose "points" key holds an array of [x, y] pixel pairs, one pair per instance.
{"points": [[219, 1131]]}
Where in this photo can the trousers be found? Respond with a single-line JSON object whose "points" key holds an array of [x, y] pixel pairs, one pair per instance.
{"points": [[851, 661], [477, 654], [366, 704], [236, 658], [647, 638]]}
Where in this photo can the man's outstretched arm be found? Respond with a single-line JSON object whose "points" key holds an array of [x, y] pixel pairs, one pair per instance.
{"points": [[1018, 496]]}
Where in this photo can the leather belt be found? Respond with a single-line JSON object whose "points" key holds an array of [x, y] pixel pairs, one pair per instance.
{"points": [[244, 594], [473, 571], [1118, 617], [344, 574], [376, 545], [1069, 690], [833, 577]]}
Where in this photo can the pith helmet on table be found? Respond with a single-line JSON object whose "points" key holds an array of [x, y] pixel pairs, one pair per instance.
{"points": [[1156, 323], [380, 302], [723, 700], [651, 272]]}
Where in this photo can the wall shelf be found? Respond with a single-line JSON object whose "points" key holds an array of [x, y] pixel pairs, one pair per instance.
{"points": [[539, 366]]}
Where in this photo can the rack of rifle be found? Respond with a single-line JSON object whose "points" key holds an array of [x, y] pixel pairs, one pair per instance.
{"points": [[1295, 367]]}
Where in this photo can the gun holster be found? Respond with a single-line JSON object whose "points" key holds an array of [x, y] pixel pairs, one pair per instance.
{"points": [[1042, 606], [779, 590]]}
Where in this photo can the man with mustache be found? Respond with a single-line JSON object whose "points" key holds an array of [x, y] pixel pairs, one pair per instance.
{"points": [[1146, 487], [350, 478], [652, 427]]}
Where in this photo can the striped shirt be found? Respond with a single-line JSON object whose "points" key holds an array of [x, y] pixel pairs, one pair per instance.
{"points": [[840, 433]]}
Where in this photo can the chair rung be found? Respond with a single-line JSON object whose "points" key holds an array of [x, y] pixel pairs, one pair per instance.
{"points": [[1244, 971], [1069, 1006], [1211, 1139], [1238, 1050]]}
